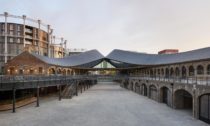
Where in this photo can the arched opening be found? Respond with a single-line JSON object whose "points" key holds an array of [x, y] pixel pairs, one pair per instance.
{"points": [[64, 71], [167, 73], [204, 108], [51, 71], [59, 71], [144, 90], [153, 92], [183, 100], [11, 71], [151, 73], [126, 84], [158, 72], [132, 86], [162, 72], [191, 71], [177, 72], [200, 70], [184, 72], [208, 69], [165, 95], [137, 87], [68, 72], [171, 72]]}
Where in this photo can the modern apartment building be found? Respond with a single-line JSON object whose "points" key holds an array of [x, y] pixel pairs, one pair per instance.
{"points": [[18, 37]]}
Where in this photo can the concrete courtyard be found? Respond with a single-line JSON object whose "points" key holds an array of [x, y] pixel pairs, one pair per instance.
{"points": [[105, 104]]}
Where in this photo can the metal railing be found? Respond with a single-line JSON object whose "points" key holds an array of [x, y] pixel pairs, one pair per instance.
{"points": [[186, 80], [34, 81]]}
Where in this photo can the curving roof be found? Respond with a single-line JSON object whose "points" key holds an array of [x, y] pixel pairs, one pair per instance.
{"points": [[87, 59], [126, 59], [121, 58]]}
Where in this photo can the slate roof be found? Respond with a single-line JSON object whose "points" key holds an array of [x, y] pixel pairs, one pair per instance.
{"points": [[85, 59], [125, 59], [142, 59]]}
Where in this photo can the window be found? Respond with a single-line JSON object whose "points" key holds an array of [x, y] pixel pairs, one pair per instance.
{"points": [[11, 32], [200, 70], [11, 40], [18, 40], [18, 27], [2, 26], [208, 69], [18, 33], [21, 72], [11, 27], [191, 71], [40, 70]]}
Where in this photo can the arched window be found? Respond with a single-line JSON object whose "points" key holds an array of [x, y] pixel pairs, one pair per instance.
{"points": [[191, 71], [51, 71], [184, 72], [68, 72], [177, 71], [171, 72], [208, 69], [151, 72], [200, 70], [158, 71], [162, 71], [64, 72], [59, 71], [167, 73]]}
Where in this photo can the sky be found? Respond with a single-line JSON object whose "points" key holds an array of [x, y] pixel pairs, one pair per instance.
{"points": [[136, 25]]}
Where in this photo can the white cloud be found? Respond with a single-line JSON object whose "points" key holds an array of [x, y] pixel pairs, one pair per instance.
{"points": [[140, 25]]}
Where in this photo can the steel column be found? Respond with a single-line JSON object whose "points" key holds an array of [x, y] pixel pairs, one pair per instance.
{"points": [[81, 87], [5, 38], [13, 100], [59, 93], [76, 89], [37, 96]]}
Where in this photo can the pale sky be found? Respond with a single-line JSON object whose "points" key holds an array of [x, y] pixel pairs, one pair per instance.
{"points": [[136, 25]]}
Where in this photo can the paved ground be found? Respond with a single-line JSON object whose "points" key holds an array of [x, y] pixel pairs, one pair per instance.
{"points": [[105, 104]]}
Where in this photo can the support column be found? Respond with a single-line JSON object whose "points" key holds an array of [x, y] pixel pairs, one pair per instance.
{"points": [[81, 87], [14, 100], [76, 89], [65, 48], [195, 103], [59, 97], [148, 91], [37, 96], [39, 38], [62, 48], [49, 39], [24, 29], [5, 38], [84, 87]]}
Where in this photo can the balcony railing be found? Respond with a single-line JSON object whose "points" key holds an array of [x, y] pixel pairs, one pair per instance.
{"points": [[185, 80]]}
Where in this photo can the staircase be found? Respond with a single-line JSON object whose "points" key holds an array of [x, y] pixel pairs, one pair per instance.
{"points": [[69, 91]]}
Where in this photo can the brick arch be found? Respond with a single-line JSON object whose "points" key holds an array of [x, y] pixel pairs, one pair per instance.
{"points": [[59, 70], [165, 94], [186, 89], [153, 91], [203, 93], [64, 71], [165, 85], [183, 99], [144, 87], [51, 70]]}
